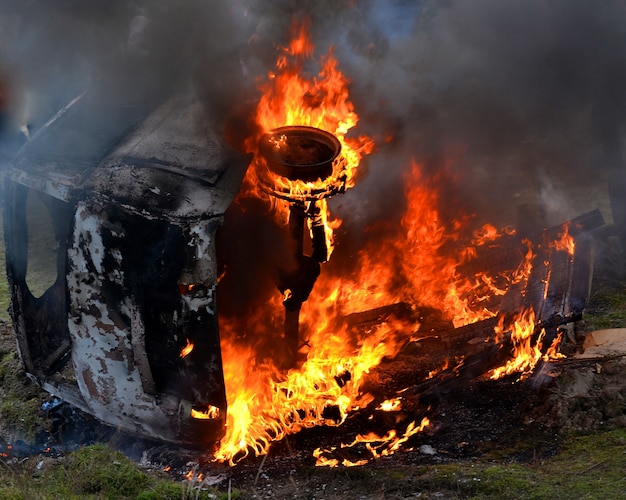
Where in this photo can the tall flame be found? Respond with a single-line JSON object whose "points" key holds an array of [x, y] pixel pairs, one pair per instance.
{"points": [[525, 352], [565, 243], [417, 262], [289, 97]]}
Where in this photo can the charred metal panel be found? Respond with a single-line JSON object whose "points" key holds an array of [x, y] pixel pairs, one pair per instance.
{"points": [[127, 331], [129, 323], [40, 322]]}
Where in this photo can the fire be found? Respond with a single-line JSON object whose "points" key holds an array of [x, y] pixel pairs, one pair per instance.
{"points": [[192, 477], [527, 341], [486, 234], [526, 353], [377, 446], [414, 265], [265, 404], [417, 262], [207, 412], [394, 404], [290, 98], [553, 351], [566, 242], [434, 373], [187, 349]]}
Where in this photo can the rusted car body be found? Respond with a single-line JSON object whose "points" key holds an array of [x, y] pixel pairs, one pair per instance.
{"points": [[110, 214]]}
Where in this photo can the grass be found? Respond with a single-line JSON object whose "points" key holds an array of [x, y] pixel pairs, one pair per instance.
{"points": [[20, 401], [591, 466], [94, 472], [587, 466], [607, 309]]}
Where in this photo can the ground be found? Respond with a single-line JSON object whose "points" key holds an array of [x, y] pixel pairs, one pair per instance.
{"points": [[559, 433], [485, 423]]}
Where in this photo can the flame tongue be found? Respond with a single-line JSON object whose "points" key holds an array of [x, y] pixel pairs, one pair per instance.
{"points": [[290, 99]]}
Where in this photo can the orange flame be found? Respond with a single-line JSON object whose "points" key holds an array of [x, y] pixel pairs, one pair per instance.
{"points": [[486, 234], [290, 98], [187, 349], [435, 372], [265, 405], [192, 477], [416, 262], [553, 351], [378, 446], [394, 404], [205, 413], [526, 352], [566, 242], [417, 267]]}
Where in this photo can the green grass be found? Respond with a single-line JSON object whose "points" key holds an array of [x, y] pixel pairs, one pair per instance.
{"points": [[586, 467], [607, 309], [592, 466], [94, 472], [20, 400]]}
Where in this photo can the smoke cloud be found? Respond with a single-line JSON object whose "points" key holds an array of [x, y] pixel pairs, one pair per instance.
{"points": [[498, 91], [487, 76], [493, 91]]}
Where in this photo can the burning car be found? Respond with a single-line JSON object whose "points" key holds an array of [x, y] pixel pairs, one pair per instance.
{"points": [[122, 231], [111, 263]]}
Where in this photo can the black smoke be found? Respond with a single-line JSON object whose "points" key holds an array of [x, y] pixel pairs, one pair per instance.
{"points": [[534, 87], [493, 91]]}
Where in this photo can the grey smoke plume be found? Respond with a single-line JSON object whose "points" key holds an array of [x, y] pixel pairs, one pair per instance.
{"points": [[536, 86], [494, 90], [50, 51]]}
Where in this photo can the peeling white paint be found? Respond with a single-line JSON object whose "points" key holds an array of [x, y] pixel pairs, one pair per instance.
{"points": [[102, 354], [197, 303]]}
